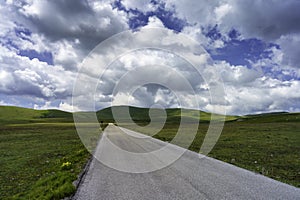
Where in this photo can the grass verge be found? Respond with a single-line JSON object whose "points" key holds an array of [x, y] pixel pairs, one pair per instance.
{"points": [[40, 161]]}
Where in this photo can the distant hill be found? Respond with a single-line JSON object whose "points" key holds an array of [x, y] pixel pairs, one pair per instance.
{"points": [[14, 115], [17, 115], [272, 117], [173, 114]]}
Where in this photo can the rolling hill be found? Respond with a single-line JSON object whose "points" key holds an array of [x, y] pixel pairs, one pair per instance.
{"points": [[273, 117], [18, 115], [173, 114]]}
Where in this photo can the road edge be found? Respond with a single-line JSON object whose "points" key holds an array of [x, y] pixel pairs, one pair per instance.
{"points": [[80, 177]]}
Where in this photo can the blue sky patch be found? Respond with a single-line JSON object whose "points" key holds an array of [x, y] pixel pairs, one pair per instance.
{"points": [[233, 34], [235, 51], [43, 56], [212, 33], [140, 19], [281, 74], [238, 52], [22, 31], [8, 42]]}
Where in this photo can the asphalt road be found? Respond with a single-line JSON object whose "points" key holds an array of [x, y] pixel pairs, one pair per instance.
{"points": [[189, 177]]}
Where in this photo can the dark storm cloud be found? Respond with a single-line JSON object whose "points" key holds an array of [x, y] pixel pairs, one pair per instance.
{"points": [[272, 21], [153, 88], [290, 46], [265, 19], [74, 19]]}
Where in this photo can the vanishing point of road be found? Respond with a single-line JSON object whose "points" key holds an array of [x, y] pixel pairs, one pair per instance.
{"points": [[187, 178]]}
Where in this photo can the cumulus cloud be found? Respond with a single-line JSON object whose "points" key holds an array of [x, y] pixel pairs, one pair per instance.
{"points": [[265, 19], [289, 45], [61, 106], [66, 31], [5, 23], [237, 75], [264, 94], [129, 67], [89, 22], [199, 12], [22, 76], [155, 22], [271, 21], [142, 5]]}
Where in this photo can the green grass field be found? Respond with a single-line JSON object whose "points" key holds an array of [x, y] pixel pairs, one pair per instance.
{"points": [[17, 115], [41, 153], [39, 161]]}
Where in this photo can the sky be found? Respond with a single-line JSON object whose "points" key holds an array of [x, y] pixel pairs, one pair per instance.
{"points": [[63, 54]]}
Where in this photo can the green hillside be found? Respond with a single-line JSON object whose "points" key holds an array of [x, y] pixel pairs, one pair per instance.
{"points": [[273, 117], [173, 114], [17, 115]]}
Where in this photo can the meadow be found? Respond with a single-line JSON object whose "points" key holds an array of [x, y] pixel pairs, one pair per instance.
{"points": [[40, 161], [41, 154]]}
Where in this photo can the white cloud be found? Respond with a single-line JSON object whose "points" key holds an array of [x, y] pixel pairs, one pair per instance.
{"points": [[87, 22], [252, 18], [262, 95], [154, 22], [289, 45], [67, 107], [276, 22], [46, 106], [237, 75], [7, 81], [70, 29], [263, 19], [222, 11], [63, 105], [6, 25], [67, 55], [148, 66], [22, 76], [247, 89], [142, 5], [199, 12]]}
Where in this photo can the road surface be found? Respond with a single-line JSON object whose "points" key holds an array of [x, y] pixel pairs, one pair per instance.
{"points": [[187, 178]]}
